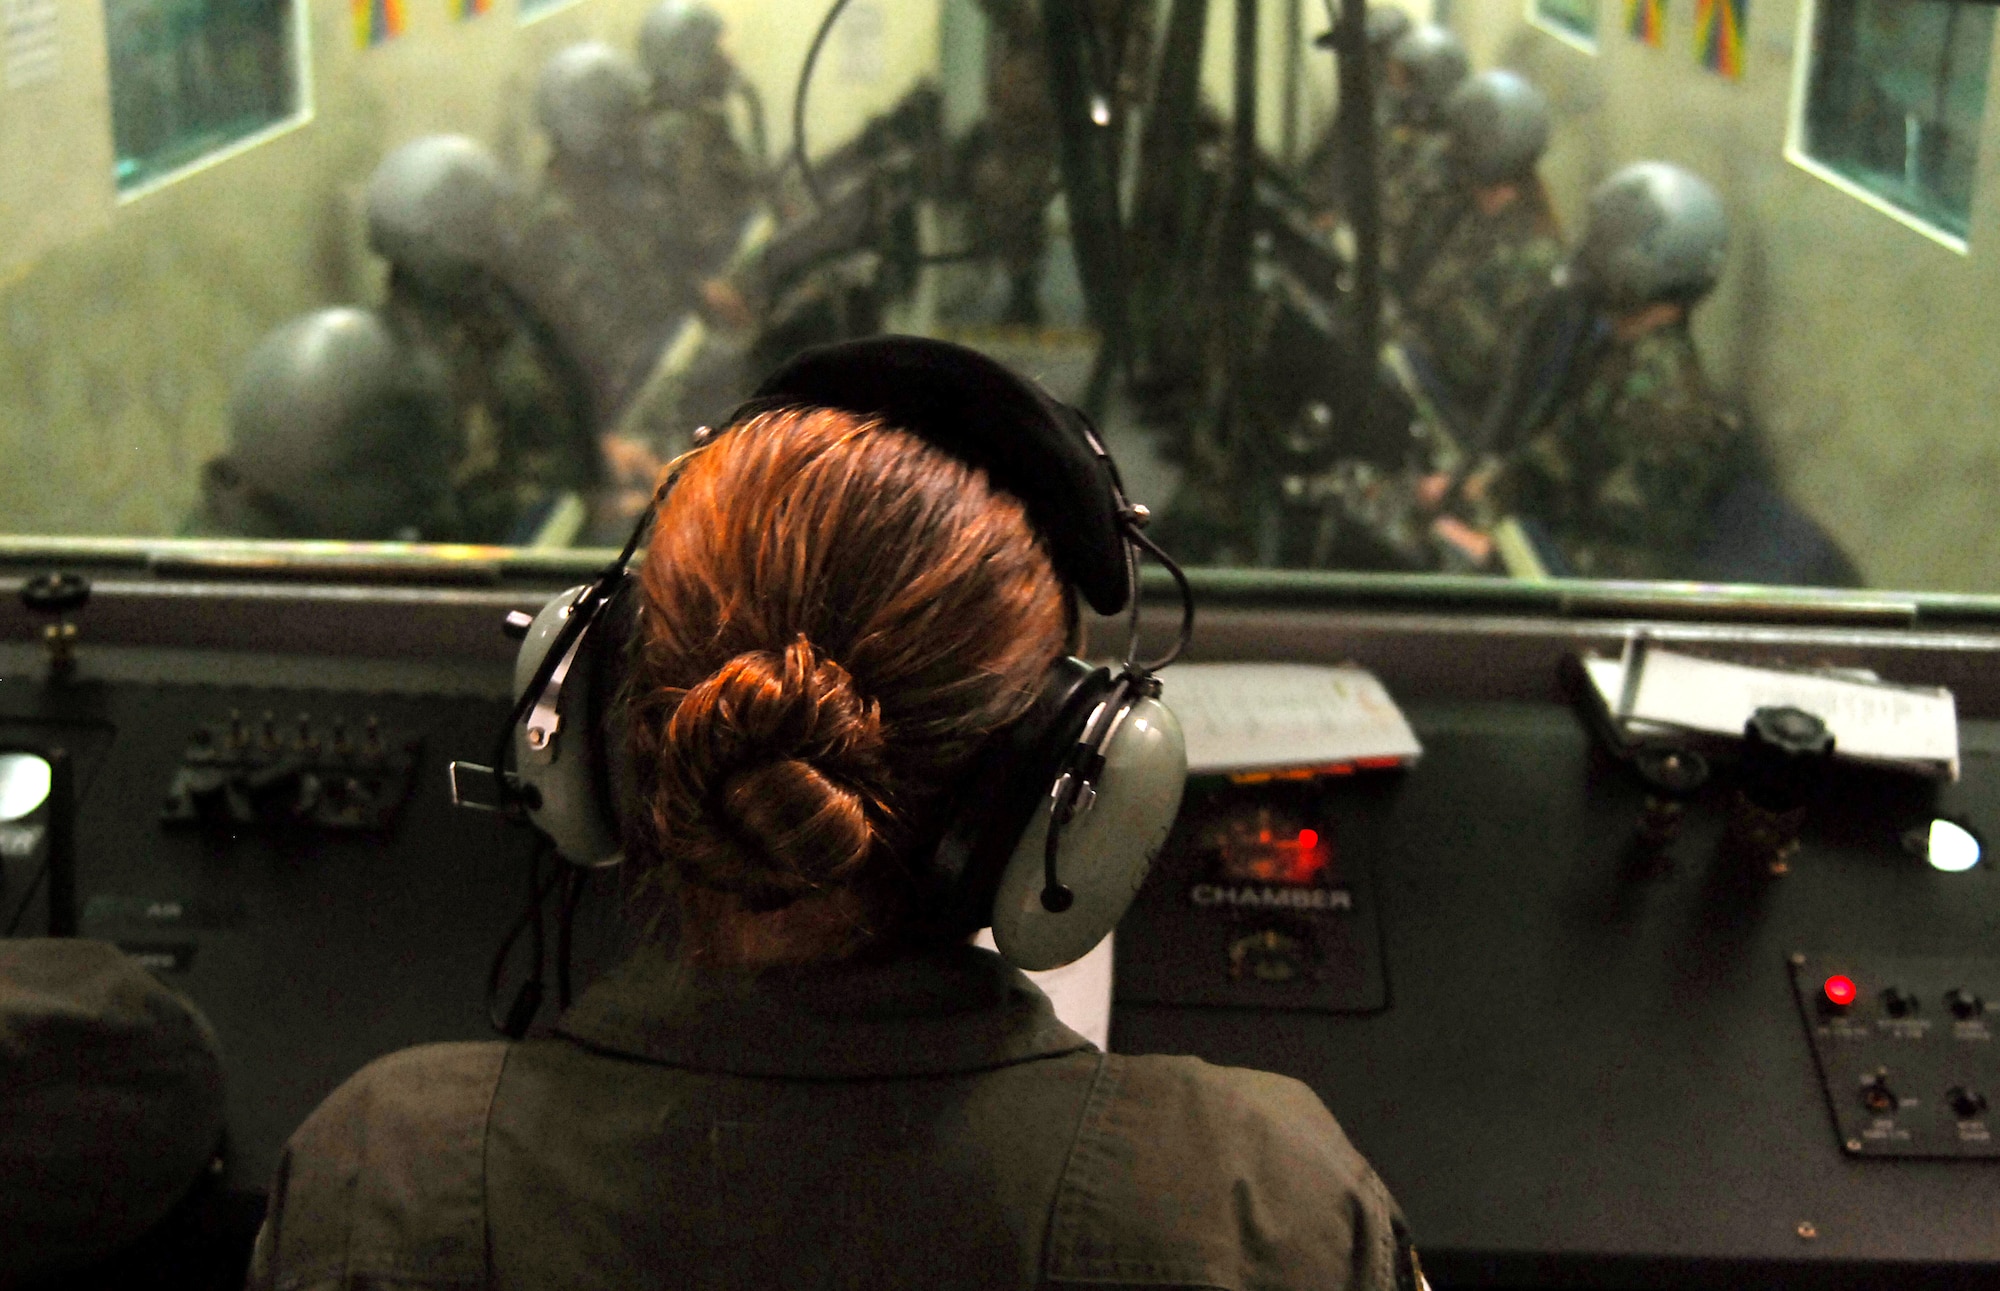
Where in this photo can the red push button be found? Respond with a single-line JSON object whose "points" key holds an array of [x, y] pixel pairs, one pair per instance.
{"points": [[1840, 991]]}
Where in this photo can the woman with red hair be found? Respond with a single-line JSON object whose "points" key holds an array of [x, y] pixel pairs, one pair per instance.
{"points": [[805, 1085]]}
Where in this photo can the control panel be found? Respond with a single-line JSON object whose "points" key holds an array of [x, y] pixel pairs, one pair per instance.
{"points": [[1905, 1050], [324, 774], [1261, 897]]}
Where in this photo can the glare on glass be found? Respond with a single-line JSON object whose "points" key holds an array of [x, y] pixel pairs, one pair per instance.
{"points": [[1953, 848], [24, 784]]}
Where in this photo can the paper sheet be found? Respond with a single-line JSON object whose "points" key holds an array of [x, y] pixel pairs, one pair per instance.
{"points": [[1870, 721], [1246, 716], [1081, 992]]}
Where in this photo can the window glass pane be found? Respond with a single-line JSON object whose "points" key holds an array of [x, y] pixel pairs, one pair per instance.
{"points": [[497, 275], [1577, 17], [1895, 100], [191, 76]]}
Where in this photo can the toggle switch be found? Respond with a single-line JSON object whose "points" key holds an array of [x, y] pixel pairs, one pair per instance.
{"points": [[1964, 1005]]}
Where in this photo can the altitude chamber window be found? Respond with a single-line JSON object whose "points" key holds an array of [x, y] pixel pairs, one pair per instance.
{"points": [[191, 77], [1893, 101], [1576, 19]]}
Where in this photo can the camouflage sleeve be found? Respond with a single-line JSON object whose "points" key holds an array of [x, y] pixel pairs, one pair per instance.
{"points": [[1673, 452], [544, 438], [1468, 320]]}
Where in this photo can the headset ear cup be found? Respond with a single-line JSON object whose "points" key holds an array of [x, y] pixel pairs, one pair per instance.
{"points": [[1105, 852], [563, 770]]}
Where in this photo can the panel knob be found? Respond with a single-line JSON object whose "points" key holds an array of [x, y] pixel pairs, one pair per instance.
{"points": [[1963, 1004]]}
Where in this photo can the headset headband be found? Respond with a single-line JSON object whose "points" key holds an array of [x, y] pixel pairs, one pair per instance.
{"points": [[1031, 446]]}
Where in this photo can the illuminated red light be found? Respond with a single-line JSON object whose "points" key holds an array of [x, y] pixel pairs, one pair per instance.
{"points": [[1308, 839], [1840, 990]]}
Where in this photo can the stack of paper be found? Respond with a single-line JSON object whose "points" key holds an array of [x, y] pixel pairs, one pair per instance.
{"points": [[1912, 727], [1258, 716]]}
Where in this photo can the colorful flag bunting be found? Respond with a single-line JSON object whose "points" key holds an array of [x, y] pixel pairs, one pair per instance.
{"points": [[376, 21], [1718, 35], [1646, 20], [471, 8]]}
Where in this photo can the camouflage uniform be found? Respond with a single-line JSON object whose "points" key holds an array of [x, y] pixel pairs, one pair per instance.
{"points": [[1625, 474], [590, 262], [1414, 192], [523, 412], [1012, 168], [1474, 294], [1012, 165], [701, 186]]}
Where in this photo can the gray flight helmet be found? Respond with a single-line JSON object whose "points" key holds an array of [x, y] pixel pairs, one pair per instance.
{"points": [[1499, 127], [1434, 61], [436, 211], [589, 98], [336, 431], [1656, 232], [1386, 24], [680, 45]]}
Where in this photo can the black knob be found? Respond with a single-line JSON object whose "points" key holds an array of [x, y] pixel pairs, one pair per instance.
{"points": [[1964, 1103], [1898, 1003], [1784, 749], [1963, 1004], [56, 594], [1792, 732]]}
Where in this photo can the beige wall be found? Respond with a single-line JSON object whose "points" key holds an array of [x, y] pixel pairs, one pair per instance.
{"points": [[1869, 352], [123, 322]]}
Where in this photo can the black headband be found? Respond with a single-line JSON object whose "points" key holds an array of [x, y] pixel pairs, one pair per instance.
{"points": [[1030, 445]]}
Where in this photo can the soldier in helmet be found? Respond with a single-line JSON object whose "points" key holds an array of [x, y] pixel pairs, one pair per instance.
{"points": [[436, 213], [336, 430], [1423, 68], [705, 183], [1482, 258], [1610, 438], [590, 255], [1324, 174], [1009, 164]]}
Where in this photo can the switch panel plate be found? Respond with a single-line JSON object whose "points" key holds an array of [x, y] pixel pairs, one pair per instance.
{"points": [[349, 774], [1261, 899], [1894, 1062]]}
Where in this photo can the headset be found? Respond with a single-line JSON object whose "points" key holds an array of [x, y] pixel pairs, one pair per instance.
{"points": [[1061, 813]]}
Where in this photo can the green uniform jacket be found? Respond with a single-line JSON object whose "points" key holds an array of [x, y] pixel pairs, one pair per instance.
{"points": [[925, 1123], [1627, 472], [1412, 185], [700, 187], [1477, 289]]}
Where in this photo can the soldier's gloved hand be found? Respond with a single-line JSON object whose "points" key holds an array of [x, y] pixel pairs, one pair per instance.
{"points": [[724, 302], [1464, 547]]}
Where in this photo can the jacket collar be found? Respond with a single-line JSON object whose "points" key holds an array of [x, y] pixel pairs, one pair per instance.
{"points": [[939, 1013]]}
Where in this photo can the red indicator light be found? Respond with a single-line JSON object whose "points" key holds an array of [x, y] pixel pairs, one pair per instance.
{"points": [[1840, 990], [1308, 839]]}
